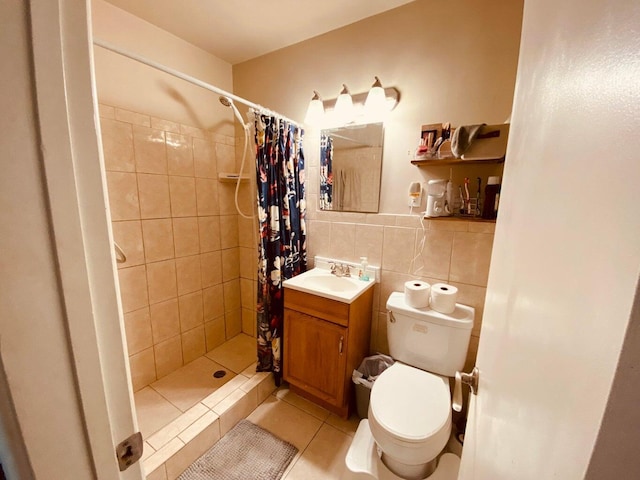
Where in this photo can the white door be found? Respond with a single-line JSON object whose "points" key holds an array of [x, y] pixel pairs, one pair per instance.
{"points": [[566, 256]]}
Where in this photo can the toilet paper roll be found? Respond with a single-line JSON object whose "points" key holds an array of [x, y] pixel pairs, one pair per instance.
{"points": [[416, 293], [443, 297]]}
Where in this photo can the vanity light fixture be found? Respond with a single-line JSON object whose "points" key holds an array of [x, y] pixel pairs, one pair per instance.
{"points": [[315, 110], [344, 106], [362, 107]]}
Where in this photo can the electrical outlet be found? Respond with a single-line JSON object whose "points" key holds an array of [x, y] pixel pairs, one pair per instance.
{"points": [[415, 201]]}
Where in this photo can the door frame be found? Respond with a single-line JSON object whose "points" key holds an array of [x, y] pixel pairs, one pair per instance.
{"points": [[75, 184]]}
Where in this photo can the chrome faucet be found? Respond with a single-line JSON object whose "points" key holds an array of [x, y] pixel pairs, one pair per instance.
{"points": [[340, 269]]}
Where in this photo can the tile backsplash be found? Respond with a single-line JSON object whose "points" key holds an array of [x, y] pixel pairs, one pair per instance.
{"points": [[178, 226]]}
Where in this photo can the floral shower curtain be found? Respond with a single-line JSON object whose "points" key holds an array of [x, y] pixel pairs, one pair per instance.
{"points": [[326, 172], [281, 222]]}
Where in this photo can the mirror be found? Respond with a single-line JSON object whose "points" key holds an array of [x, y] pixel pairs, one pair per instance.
{"points": [[350, 168]]}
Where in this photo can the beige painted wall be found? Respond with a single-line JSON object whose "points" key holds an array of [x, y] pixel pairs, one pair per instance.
{"points": [[451, 61], [134, 86]]}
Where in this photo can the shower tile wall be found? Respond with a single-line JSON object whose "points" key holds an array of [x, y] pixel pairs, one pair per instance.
{"points": [[181, 287]]}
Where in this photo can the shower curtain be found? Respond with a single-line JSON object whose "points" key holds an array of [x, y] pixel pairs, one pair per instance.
{"points": [[281, 222]]}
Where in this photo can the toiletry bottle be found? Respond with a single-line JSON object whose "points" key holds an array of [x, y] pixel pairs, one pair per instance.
{"points": [[491, 196], [363, 275]]}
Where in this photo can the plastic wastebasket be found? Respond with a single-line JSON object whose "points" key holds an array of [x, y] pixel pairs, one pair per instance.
{"points": [[364, 377]]}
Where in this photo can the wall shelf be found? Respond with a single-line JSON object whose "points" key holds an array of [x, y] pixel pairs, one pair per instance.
{"points": [[438, 162]]}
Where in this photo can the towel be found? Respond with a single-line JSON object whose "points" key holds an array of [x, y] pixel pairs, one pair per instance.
{"points": [[462, 138]]}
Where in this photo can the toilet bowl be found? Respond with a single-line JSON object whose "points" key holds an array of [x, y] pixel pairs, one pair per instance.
{"points": [[410, 419]]}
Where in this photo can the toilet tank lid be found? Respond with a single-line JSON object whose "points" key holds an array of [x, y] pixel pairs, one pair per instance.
{"points": [[462, 316]]}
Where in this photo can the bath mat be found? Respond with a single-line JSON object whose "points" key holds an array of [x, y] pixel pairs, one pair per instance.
{"points": [[246, 452]]}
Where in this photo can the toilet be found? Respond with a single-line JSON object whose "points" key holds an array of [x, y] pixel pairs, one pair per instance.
{"points": [[409, 420]]}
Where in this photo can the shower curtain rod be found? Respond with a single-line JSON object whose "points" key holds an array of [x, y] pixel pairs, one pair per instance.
{"points": [[190, 79]]}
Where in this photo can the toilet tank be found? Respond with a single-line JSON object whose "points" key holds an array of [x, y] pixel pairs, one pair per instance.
{"points": [[426, 339]]}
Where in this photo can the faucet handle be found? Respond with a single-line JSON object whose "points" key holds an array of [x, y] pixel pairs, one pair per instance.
{"points": [[346, 269]]}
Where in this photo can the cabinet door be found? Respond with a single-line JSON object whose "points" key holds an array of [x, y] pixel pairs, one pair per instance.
{"points": [[315, 356]]}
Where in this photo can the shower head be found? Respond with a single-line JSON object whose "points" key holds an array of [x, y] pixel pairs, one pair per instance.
{"points": [[227, 102]]}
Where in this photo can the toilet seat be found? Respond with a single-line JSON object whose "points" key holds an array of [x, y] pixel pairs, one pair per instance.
{"points": [[410, 414]]}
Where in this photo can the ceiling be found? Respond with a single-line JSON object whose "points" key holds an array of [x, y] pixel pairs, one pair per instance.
{"points": [[238, 30]]}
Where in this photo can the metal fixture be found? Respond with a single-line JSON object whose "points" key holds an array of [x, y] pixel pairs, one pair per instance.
{"points": [[470, 379], [340, 269], [120, 256], [129, 451]]}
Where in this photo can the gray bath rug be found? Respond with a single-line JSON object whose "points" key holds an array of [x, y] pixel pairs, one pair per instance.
{"points": [[246, 452]]}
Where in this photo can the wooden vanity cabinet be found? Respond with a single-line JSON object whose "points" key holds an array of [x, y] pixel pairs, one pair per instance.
{"points": [[324, 341]]}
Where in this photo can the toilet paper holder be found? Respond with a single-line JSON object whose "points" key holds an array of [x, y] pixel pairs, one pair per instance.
{"points": [[470, 379]]}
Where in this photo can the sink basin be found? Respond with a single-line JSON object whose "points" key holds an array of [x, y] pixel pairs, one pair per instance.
{"points": [[321, 282]]}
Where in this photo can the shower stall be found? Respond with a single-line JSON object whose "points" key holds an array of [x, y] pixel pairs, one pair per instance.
{"points": [[183, 201]]}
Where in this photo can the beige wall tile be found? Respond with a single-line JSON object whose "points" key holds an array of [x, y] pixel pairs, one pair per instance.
{"points": [[162, 281], [343, 239], [158, 239], [182, 192], [228, 231], [470, 258], [472, 353], [472, 296], [165, 320], [166, 125], [232, 295], [193, 344], [159, 473], [132, 117], [193, 131], [449, 225], [248, 262], [117, 145], [137, 326], [154, 196], [398, 248], [391, 282], [211, 264], [215, 333], [157, 460], [128, 235], [230, 264], [226, 157], [412, 221], [204, 159], [369, 243], [191, 313], [133, 288], [207, 196], [142, 369], [123, 196], [168, 356], [247, 297], [319, 238], [381, 342], [209, 230], [381, 219], [186, 236], [226, 199], [188, 274], [249, 321], [247, 232], [179, 155], [150, 151], [232, 323], [213, 302], [175, 427], [246, 198], [436, 254], [106, 111]]}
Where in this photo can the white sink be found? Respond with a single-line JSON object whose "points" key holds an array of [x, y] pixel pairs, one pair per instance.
{"points": [[321, 282]]}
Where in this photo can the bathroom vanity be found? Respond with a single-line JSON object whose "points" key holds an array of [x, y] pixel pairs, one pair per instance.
{"points": [[325, 339]]}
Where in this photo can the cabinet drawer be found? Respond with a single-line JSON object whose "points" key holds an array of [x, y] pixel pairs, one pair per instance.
{"points": [[325, 308]]}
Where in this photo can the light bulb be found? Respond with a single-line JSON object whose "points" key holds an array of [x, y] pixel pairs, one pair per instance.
{"points": [[344, 106], [376, 102], [315, 111]]}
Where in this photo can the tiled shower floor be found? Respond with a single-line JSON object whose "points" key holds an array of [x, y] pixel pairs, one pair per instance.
{"points": [[166, 399], [180, 408]]}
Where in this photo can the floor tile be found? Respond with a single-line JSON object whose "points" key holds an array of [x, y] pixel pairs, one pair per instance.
{"points": [[236, 354], [153, 411], [286, 421], [348, 426], [283, 393], [190, 384], [324, 458]]}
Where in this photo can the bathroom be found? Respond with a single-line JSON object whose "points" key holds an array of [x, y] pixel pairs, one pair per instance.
{"points": [[434, 87]]}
